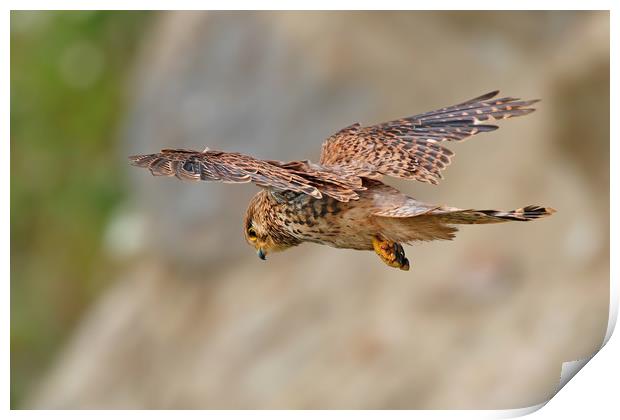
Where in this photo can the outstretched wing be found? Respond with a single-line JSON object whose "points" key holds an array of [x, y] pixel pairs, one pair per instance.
{"points": [[211, 165], [410, 147]]}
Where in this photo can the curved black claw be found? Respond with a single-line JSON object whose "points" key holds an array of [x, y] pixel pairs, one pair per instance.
{"points": [[399, 253]]}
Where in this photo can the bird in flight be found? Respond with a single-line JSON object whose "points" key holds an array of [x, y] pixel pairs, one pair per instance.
{"points": [[341, 201]]}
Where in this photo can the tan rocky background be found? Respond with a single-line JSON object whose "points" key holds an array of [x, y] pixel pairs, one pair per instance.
{"points": [[192, 319]]}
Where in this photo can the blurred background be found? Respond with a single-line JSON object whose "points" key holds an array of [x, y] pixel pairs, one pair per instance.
{"points": [[129, 291]]}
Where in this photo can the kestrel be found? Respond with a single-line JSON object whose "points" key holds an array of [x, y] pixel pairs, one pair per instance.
{"points": [[341, 201]]}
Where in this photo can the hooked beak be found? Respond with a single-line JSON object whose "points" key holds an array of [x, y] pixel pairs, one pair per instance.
{"points": [[261, 254]]}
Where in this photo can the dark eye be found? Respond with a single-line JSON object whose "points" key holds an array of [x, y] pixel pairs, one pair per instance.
{"points": [[252, 234]]}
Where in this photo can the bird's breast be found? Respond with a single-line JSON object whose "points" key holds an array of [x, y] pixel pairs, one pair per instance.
{"points": [[330, 222]]}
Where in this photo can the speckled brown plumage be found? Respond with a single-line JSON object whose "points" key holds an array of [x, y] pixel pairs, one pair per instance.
{"points": [[210, 165], [408, 148], [341, 201]]}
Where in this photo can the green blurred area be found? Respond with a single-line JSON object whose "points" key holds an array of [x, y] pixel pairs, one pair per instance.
{"points": [[68, 73]]}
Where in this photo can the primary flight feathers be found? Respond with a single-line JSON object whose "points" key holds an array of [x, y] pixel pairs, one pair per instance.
{"points": [[406, 148]]}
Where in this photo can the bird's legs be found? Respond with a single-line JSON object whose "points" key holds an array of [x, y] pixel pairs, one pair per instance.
{"points": [[392, 253]]}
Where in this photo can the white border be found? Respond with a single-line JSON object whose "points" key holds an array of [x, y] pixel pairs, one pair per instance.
{"points": [[594, 391]]}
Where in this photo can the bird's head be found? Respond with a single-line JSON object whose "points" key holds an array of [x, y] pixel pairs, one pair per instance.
{"points": [[264, 226]]}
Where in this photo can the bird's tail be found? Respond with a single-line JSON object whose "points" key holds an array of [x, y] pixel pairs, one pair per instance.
{"points": [[524, 214], [408, 224]]}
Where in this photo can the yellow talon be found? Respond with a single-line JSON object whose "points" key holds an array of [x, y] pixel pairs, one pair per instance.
{"points": [[391, 253]]}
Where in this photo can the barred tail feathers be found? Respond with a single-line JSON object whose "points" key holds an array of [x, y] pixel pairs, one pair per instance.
{"points": [[524, 214], [440, 222]]}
